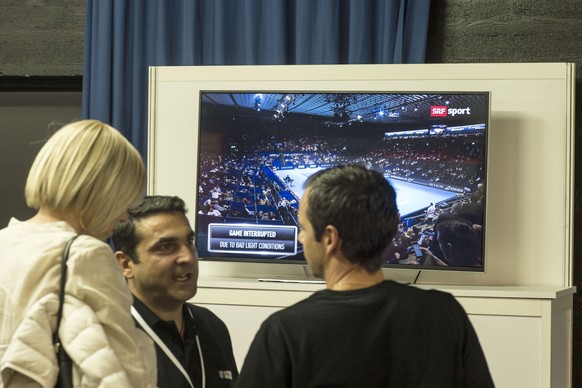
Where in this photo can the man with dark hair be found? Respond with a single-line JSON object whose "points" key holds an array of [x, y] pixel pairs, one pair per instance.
{"points": [[155, 249], [459, 242], [361, 331]]}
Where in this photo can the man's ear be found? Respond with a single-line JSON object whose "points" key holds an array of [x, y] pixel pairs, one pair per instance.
{"points": [[125, 263], [331, 239], [449, 250]]}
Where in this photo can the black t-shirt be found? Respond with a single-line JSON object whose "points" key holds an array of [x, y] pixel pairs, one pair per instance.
{"points": [[217, 356], [388, 335]]}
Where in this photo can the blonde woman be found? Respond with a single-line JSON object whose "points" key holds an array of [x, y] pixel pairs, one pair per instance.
{"points": [[81, 183]]}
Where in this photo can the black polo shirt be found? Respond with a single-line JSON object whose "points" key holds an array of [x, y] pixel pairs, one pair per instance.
{"points": [[217, 356]]}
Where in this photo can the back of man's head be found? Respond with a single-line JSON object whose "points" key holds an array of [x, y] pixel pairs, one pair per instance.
{"points": [[125, 237], [361, 204], [459, 241]]}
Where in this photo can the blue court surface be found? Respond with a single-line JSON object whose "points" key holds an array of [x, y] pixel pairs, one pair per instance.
{"points": [[410, 197]]}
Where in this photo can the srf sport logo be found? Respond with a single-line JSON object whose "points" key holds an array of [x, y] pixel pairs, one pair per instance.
{"points": [[444, 111]]}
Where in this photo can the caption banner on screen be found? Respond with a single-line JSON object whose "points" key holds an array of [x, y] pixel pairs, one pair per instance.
{"points": [[261, 239]]}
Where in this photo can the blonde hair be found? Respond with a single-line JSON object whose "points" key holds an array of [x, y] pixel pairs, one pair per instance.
{"points": [[89, 169]]}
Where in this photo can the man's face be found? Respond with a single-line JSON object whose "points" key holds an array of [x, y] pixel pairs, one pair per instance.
{"points": [[313, 250], [166, 274]]}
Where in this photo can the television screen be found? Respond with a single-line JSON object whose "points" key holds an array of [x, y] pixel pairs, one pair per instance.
{"points": [[257, 148]]}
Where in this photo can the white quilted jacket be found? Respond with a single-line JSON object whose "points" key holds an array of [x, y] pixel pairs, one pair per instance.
{"points": [[29, 359]]}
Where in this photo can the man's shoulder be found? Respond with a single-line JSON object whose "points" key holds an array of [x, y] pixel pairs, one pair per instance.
{"points": [[210, 326], [387, 292], [199, 309], [203, 314], [418, 292], [429, 301]]}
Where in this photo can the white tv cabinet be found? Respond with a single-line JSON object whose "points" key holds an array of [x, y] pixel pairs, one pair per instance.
{"points": [[525, 331]]}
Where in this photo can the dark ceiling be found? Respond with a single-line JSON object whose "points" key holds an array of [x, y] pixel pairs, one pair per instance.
{"points": [[347, 107]]}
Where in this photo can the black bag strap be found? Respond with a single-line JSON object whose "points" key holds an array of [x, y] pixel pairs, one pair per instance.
{"points": [[65, 257]]}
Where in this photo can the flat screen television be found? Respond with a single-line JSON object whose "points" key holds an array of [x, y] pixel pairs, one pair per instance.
{"points": [[256, 148], [526, 158]]}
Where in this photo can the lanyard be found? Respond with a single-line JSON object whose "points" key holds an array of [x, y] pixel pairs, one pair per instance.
{"points": [[167, 351]]}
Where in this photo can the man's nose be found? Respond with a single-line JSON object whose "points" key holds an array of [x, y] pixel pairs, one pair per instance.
{"points": [[188, 253]]}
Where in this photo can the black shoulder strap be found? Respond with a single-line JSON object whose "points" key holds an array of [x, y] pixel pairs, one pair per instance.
{"points": [[65, 257]]}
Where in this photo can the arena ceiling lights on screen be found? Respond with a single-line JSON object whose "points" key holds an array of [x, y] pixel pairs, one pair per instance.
{"points": [[342, 108]]}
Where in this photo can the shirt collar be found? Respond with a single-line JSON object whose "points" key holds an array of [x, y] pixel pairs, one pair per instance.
{"points": [[154, 321], [148, 315]]}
